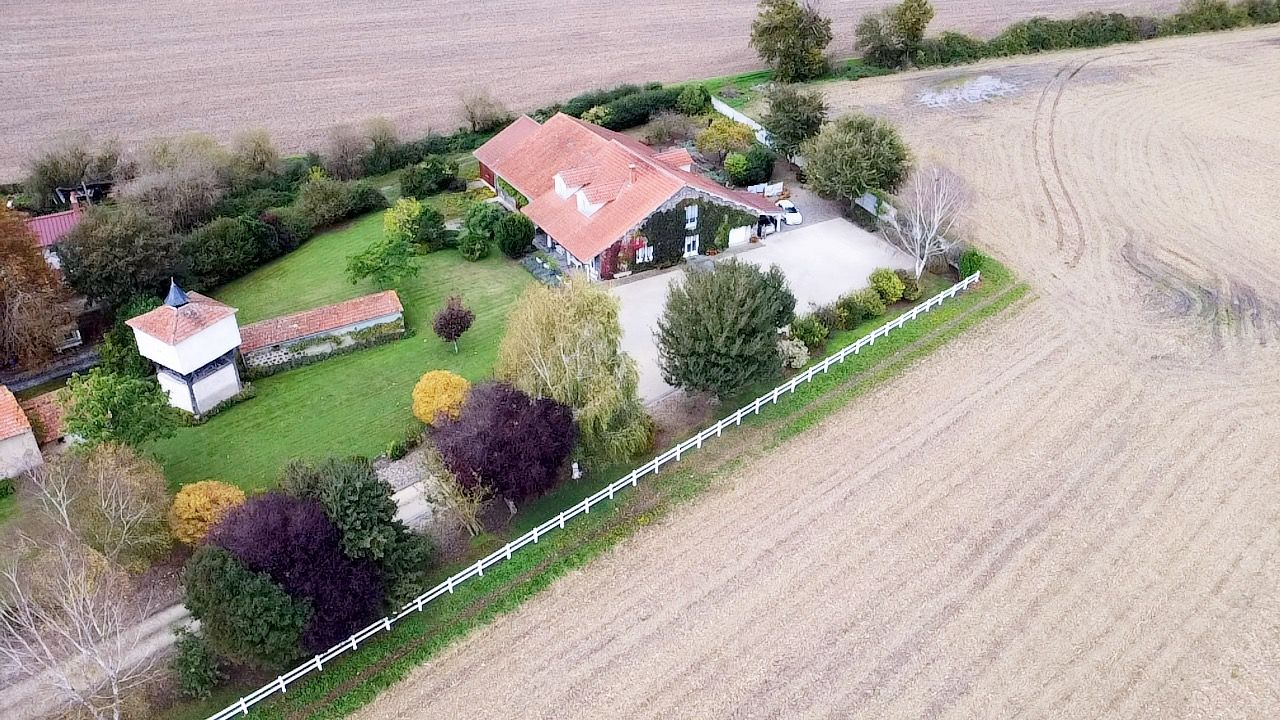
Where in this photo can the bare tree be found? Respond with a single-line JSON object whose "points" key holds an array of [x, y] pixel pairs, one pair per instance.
{"points": [[933, 201], [344, 152], [482, 111], [111, 497], [68, 624], [463, 503]]}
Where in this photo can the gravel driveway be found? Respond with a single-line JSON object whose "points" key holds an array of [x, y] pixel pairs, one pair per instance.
{"points": [[822, 261]]}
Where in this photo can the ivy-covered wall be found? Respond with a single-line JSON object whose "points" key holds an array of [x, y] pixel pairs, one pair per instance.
{"points": [[665, 230]]}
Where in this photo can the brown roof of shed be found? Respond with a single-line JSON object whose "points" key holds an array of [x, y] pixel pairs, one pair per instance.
{"points": [[50, 229], [45, 413], [171, 325], [13, 422], [287, 328]]}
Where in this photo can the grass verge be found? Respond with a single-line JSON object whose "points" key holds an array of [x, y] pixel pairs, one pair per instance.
{"points": [[355, 680]]}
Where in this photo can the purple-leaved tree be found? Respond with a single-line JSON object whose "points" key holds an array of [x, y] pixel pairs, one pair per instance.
{"points": [[453, 320], [507, 441], [294, 542]]}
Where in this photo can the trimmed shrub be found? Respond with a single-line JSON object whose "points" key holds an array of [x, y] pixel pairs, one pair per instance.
{"points": [[324, 201], [292, 226], [828, 316], [971, 261], [514, 233], [695, 99], [753, 167], [196, 665], [888, 284], [439, 394], [911, 289], [244, 615], [810, 331], [507, 441], [473, 246], [855, 154], [199, 506], [295, 543]]}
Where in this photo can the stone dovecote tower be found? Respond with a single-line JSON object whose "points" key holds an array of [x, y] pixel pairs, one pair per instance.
{"points": [[193, 340]]}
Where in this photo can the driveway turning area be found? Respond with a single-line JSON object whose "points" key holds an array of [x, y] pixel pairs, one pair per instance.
{"points": [[822, 262]]}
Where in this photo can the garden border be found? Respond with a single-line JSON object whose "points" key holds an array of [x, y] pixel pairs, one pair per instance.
{"points": [[673, 454]]}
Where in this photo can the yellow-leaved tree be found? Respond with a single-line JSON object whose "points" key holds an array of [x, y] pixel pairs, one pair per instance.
{"points": [[437, 393], [199, 506]]}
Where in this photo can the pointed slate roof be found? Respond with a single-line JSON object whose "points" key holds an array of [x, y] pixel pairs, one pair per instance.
{"points": [[176, 297]]}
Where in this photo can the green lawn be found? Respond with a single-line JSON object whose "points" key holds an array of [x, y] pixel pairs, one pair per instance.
{"points": [[355, 403]]}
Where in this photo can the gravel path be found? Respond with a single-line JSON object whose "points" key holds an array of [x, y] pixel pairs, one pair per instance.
{"points": [[296, 67], [1071, 513]]}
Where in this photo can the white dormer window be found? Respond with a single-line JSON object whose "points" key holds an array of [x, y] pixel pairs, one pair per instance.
{"points": [[585, 206], [562, 188], [690, 217]]}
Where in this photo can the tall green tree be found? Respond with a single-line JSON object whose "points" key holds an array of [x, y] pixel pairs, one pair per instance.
{"points": [[719, 329], [794, 116], [791, 37], [103, 407], [565, 343], [853, 155], [118, 252]]}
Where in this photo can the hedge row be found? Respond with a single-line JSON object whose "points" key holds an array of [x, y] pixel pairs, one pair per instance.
{"points": [[1094, 29]]}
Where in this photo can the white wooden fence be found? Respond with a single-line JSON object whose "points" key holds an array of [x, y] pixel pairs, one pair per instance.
{"points": [[317, 663], [723, 108]]}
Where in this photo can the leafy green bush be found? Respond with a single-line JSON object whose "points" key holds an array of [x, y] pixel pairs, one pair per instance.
{"points": [[292, 226], [514, 233], [971, 261], [1203, 16], [226, 249], [579, 104], [634, 110], [810, 331], [198, 668], [911, 289], [855, 154], [427, 177], [951, 48], [7, 487], [868, 300], [324, 201], [828, 316], [887, 283], [473, 246], [694, 99], [1261, 12], [753, 167]]}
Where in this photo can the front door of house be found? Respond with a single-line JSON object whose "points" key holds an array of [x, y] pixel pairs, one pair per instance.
{"points": [[690, 245]]}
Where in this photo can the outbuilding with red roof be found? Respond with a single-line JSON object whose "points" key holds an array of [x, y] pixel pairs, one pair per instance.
{"points": [[607, 203]]}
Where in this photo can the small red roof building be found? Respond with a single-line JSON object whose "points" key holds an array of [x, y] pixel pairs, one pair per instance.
{"points": [[45, 413], [316, 321], [588, 187], [50, 229]]}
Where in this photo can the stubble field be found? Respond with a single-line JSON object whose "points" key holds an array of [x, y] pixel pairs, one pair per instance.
{"points": [[141, 70], [1071, 513]]}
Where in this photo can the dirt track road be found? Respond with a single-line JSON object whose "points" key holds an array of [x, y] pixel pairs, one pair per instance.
{"points": [[139, 70], [1072, 513]]}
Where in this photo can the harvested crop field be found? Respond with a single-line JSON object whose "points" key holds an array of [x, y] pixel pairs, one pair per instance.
{"points": [[1072, 512], [162, 67]]}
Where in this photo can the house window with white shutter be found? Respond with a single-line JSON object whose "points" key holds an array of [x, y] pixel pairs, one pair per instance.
{"points": [[690, 216]]}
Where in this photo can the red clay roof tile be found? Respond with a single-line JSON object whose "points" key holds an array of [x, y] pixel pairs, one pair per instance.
{"points": [[45, 413], [287, 328], [629, 178], [171, 325], [13, 422]]}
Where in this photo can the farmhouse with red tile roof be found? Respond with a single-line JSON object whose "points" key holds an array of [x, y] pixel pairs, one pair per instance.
{"points": [[608, 203]]}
